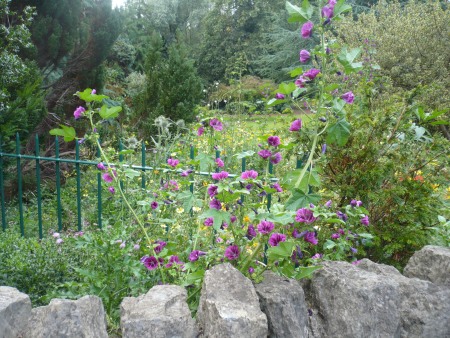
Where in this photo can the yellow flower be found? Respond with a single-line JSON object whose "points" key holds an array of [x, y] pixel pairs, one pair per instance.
{"points": [[246, 219], [179, 210], [196, 209], [156, 172]]}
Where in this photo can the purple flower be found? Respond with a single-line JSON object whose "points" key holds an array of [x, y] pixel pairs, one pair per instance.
{"points": [[122, 245], [265, 227], [219, 163], [172, 185], [265, 153], [312, 73], [296, 125], [311, 238], [354, 250], [277, 187], [348, 97], [233, 218], [317, 256], [107, 177], [251, 270], [112, 190], [305, 216], [249, 174], [359, 203], [220, 176], [209, 221], [273, 141], [154, 205], [212, 190], [200, 131], [280, 96], [215, 204], [251, 232], [304, 56], [136, 247], [160, 246], [324, 148], [93, 92], [300, 82], [195, 255], [78, 112], [186, 173], [365, 220], [276, 158], [59, 241], [307, 29], [216, 124], [173, 260], [332, 3], [56, 235], [328, 204], [101, 166], [342, 216], [232, 252], [335, 236], [150, 263], [353, 203], [276, 238], [327, 12], [173, 162]]}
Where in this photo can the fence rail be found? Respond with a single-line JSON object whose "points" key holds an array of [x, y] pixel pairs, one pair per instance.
{"points": [[77, 162]]}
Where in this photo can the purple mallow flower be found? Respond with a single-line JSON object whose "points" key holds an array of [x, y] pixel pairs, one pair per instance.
{"points": [[78, 112], [212, 190], [276, 238], [200, 131], [160, 246], [107, 177], [327, 12], [365, 220], [277, 187], [209, 221], [305, 216], [101, 166], [348, 97], [150, 263], [276, 158], [342, 216], [59, 241], [215, 204], [251, 232], [265, 227], [300, 82], [265, 153], [216, 124], [251, 270], [220, 176], [219, 163], [312, 73], [173, 260], [310, 237], [249, 174], [232, 252], [335, 235], [324, 148], [328, 204], [304, 56], [195, 255], [273, 141], [317, 256], [154, 205], [296, 125], [280, 96], [307, 29], [112, 190], [173, 162]]}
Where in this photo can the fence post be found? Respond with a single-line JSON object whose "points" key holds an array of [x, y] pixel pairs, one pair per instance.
{"points": [[143, 164], [120, 160], [58, 185], [2, 188], [77, 168], [243, 165], [19, 185], [99, 192], [38, 185]]}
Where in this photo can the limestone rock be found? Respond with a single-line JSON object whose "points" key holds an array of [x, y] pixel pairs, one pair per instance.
{"points": [[62, 318], [432, 263], [162, 312], [283, 302], [15, 310], [229, 305]]}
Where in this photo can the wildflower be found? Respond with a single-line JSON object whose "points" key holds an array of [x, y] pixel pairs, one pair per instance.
{"points": [[195, 255], [328, 204], [305, 216], [335, 236], [219, 163], [317, 256], [265, 153], [78, 112], [209, 221], [300, 82], [233, 218], [56, 235], [307, 29], [107, 177], [172, 185], [173, 260], [154, 205], [224, 225], [365, 220], [196, 209], [296, 125], [273, 141], [173, 162], [246, 219], [122, 245], [150, 263], [265, 227], [327, 12], [348, 97], [311, 238], [93, 92], [200, 131], [276, 238], [216, 124], [277, 187], [220, 176], [161, 245], [280, 96], [251, 270], [186, 173], [342, 216], [59, 241], [179, 210], [136, 247], [251, 232], [354, 250], [212, 190], [112, 190], [215, 204], [304, 56], [249, 174], [101, 166], [276, 158], [232, 252], [324, 148], [312, 73]]}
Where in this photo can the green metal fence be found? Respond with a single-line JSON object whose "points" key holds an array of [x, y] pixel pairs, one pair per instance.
{"points": [[21, 158]]}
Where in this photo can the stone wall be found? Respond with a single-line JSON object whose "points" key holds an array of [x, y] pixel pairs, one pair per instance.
{"points": [[340, 300]]}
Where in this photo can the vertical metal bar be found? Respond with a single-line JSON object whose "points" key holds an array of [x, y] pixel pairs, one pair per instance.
{"points": [[143, 164], [99, 193], [217, 156], [58, 185], [19, 185], [191, 156], [38, 186], [2, 189], [243, 165], [269, 196], [77, 168], [299, 163], [120, 160]]}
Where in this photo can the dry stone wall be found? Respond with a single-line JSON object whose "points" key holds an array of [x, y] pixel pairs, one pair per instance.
{"points": [[340, 300]]}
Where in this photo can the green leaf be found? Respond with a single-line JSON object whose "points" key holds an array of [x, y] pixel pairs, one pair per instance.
{"points": [[219, 217], [338, 133], [282, 218], [205, 161], [300, 200], [296, 72], [286, 88], [297, 14], [109, 113], [306, 271], [189, 200], [126, 152], [87, 96], [339, 8], [366, 235], [244, 154], [131, 173], [193, 277], [282, 250], [311, 178], [329, 244], [67, 132], [347, 58], [298, 91]]}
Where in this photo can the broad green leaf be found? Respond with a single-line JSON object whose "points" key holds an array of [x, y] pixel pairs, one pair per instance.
{"points": [[193, 277], [300, 200], [109, 113], [306, 271], [286, 88], [219, 217], [67, 132], [87, 96], [244, 154], [347, 58], [283, 250], [338, 133], [311, 178], [296, 72], [282, 218], [131, 173], [205, 161], [339, 8], [366, 235], [329, 244], [338, 106], [299, 14], [189, 200], [126, 152], [298, 91]]}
